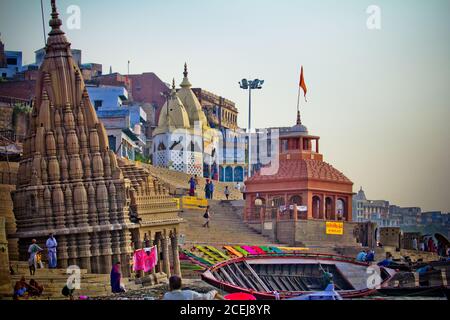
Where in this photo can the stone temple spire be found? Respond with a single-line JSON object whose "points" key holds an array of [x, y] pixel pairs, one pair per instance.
{"points": [[67, 172], [185, 83]]}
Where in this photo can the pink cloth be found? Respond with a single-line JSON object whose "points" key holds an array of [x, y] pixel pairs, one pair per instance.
{"points": [[139, 260], [249, 249], [145, 259], [151, 259]]}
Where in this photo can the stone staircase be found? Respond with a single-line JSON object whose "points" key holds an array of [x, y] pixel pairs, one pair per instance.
{"points": [[54, 280], [226, 228], [177, 183]]}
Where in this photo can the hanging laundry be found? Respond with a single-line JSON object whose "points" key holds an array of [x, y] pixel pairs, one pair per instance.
{"points": [[139, 260], [151, 259]]}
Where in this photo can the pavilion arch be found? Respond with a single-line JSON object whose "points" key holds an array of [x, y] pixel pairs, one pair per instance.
{"points": [[341, 209], [316, 204], [296, 199], [278, 201], [329, 214]]}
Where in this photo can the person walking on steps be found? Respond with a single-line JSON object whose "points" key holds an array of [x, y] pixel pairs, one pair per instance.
{"points": [[211, 189], [207, 193], [207, 216], [227, 192], [33, 249]]}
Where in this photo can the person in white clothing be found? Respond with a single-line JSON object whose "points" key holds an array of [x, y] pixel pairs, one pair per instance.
{"points": [[176, 293], [51, 245]]}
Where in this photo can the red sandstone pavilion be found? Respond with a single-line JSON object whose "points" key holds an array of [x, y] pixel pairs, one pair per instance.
{"points": [[308, 187]]}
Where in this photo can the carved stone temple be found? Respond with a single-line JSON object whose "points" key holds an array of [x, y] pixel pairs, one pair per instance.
{"points": [[71, 184]]}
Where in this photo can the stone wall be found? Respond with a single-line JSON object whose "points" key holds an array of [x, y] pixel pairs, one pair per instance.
{"points": [[6, 112], [313, 233], [5, 278], [8, 173], [390, 237]]}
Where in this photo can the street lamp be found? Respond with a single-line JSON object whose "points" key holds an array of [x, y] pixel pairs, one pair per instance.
{"points": [[250, 85]]}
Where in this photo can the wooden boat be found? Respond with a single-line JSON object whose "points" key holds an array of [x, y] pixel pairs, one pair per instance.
{"points": [[293, 274], [433, 291]]}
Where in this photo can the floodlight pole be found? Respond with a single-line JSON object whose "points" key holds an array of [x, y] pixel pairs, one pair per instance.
{"points": [[249, 173]]}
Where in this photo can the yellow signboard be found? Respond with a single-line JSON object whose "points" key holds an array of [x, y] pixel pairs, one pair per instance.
{"points": [[335, 227], [194, 203]]}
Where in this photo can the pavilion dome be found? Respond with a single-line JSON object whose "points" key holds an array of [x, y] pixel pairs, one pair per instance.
{"points": [[173, 115], [303, 169], [190, 101]]}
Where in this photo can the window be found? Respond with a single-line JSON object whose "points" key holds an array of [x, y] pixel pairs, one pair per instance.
{"points": [[11, 61], [3, 75], [97, 104]]}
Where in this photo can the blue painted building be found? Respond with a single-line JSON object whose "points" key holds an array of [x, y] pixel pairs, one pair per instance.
{"points": [[124, 122]]}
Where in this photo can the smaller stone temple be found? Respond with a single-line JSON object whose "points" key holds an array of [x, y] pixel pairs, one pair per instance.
{"points": [[183, 140], [304, 182], [306, 202]]}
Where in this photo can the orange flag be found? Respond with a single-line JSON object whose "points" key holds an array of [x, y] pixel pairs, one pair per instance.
{"points": [[303, 84]]}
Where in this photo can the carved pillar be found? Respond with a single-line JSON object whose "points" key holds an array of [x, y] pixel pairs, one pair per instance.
{"points": [[95, 253], [72, 250], [166, 258], [105, 251], [84, 251], [158, 243], [333, 209], [310, 205], [62, 254], [322, 207], [175, 254], [115, 247]]}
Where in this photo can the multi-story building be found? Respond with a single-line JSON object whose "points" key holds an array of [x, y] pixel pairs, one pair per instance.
{"points": [[372, 210], [10, 62], [220, 112], [408, 216], [123, 122]]}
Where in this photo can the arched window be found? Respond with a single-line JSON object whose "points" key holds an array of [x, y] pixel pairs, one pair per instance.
{"points": [[297, 200], [340, 209], [316, 207]]}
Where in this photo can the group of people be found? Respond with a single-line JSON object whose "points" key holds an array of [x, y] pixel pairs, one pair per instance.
{"points": [[209, 187], [35, 251], [366, 256], [24, 290]]}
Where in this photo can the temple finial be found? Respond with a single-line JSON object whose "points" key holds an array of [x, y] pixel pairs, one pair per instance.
{"points": [[55, 22], [299, 120], [173, 83], [185, 73], [185, 83]]}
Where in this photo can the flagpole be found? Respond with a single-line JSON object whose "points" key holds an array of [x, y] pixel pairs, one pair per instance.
{"points": [[298, 107]]}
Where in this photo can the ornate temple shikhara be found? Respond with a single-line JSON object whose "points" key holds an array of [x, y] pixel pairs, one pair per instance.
{"points": [[71, 184]]}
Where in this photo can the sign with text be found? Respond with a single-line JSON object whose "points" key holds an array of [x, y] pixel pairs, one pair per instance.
{"points": [[335, 227]]}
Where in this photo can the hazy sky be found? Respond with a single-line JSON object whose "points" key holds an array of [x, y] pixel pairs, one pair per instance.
{"points": [[379, 99]]}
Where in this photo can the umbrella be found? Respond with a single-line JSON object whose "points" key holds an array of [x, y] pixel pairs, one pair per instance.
{"points": [[240, 296]]}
